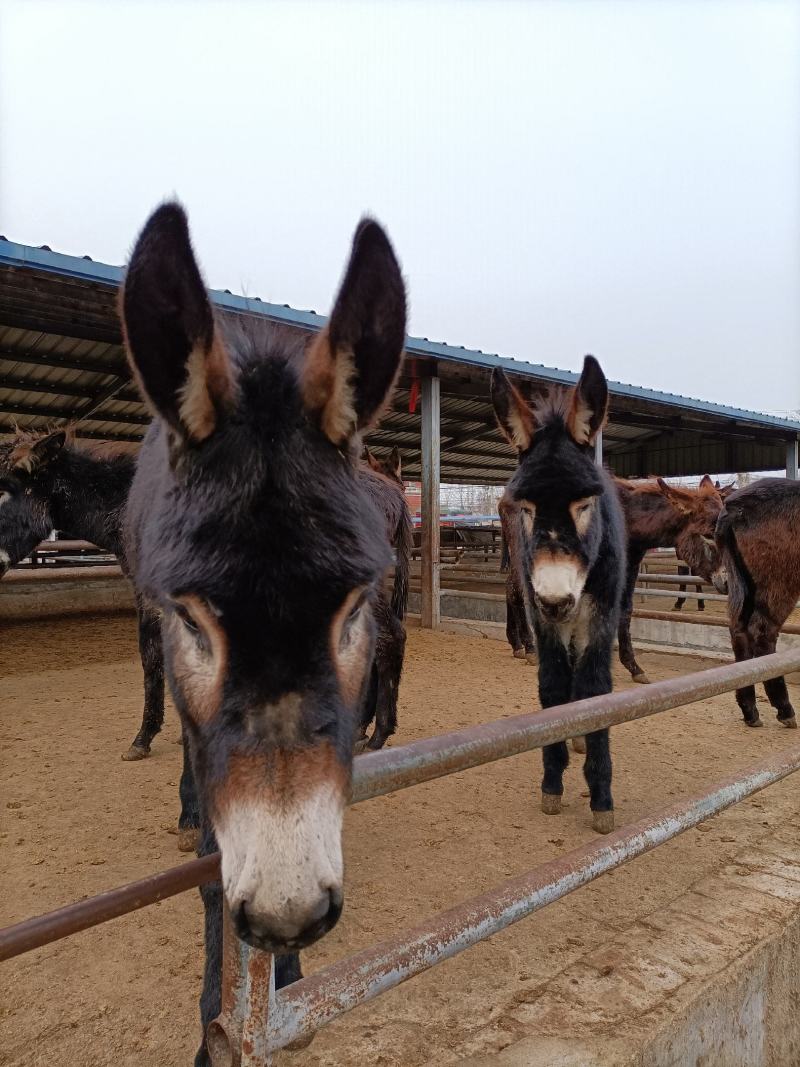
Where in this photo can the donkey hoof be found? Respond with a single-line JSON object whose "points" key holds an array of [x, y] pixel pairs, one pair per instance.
{"points": [[753, 723], [551, 804], [188, 839], [531, 660], [136, 752], [790, 724], [519, 653], [579, 745], [603, 821], [642, 678]]}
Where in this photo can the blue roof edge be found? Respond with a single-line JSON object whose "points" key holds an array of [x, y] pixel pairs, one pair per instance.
{"points": [[18, 255]]}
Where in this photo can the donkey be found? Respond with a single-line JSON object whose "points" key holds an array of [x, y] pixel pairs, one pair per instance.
{"points": [[658, 515], [518, 630], [383, 483], [48, 482], [572, 557], [250, 528], [758, 535]]}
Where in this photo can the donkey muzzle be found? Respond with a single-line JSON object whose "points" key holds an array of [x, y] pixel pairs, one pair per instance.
{"points": [[294, 928], [556, 609]]}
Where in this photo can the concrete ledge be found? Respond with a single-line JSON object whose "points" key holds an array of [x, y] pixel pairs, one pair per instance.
{"points": [[709, 980], [47, 598]]}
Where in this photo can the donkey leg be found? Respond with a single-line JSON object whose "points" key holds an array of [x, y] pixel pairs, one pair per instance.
{"points": [[389, 671], [189, 818], [627, 657], [597, 772], [746, 696], [152, 655], [678, 605], [554, 688], [701, 604], [764, 644], [368, 709], [514, 634]]}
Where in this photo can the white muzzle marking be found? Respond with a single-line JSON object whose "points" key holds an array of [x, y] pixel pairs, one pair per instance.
{"points": [[555, 580], [280, 859]]}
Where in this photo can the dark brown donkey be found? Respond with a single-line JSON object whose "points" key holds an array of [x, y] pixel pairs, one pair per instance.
{"points": [[519, 633], [249, 527], [758, 534], [382, 480], [658, 515]]}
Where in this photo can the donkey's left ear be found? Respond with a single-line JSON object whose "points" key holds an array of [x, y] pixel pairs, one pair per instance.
{"points": [[706, 482], [351, 366], [395, 463], [42, 452], [178, 359], [589, 407]]}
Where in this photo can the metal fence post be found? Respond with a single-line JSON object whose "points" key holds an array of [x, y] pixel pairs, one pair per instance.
{"points": [[598, 449], [430, 613], [239, 1036]]}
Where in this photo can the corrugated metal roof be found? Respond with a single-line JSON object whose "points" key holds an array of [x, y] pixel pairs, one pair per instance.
{"points": [[61, 358]]}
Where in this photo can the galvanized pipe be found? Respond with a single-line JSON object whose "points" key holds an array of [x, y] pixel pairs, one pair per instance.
{"points": [[378, 773], [683, 594], [695, 620], [313, 1002]]}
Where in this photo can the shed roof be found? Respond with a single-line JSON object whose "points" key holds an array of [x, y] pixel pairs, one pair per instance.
{"points": [[61, 358]]}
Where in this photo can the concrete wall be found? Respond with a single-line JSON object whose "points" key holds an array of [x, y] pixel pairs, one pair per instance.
{"points": [[47, 598]]}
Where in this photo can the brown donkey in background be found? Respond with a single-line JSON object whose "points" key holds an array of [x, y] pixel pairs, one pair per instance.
{"points": [[658, 515], [758, 535], [250, 528]]}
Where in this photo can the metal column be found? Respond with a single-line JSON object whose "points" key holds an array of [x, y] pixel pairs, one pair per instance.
{"points": [[430, 613], [791, 459], [598, 449]]}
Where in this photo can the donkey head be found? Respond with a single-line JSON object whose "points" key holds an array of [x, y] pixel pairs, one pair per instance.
{"points": [[27, 474], [391, 466], [557, 484], [699, 510], [249, 526]]}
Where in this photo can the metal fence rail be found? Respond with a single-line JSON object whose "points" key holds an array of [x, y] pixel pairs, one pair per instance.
{"points": [[250, 1027]]}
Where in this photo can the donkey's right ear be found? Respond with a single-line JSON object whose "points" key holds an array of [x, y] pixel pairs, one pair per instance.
{"points": [[351, 367], [513, 413], [177, 357]]}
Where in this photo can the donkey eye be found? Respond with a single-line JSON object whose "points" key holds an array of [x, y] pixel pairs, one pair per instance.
{"points": [[187, 620], [355, 611]]}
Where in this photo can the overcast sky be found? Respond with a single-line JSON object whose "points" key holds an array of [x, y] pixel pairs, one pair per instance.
{"points": [[557, 178]]}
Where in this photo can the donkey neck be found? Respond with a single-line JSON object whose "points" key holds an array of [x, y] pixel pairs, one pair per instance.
{"points": [[89, 494], [652, 521]]}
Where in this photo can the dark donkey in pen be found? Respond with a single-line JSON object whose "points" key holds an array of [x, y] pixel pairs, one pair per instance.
{"points": [[657, 515], [572, 558], [758, 535], [249, 526], [382, 480]]}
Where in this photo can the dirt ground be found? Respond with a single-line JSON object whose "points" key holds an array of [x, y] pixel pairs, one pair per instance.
{"points": [[75, 820]]}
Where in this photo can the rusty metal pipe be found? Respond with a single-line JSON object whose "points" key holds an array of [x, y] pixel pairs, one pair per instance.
{"points": [[41, 930], [313, 1002], [378, 773]]}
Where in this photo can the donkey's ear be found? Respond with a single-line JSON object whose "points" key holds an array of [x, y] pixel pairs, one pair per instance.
{"points": [[726, 490], [512, 411], [175, 352], [678, 500], [706, 482], [374, 463], [589, 407], [351, 367], [395, 463], [37, 455]]}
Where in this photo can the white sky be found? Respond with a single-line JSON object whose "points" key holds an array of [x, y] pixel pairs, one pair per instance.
{"points": [[614, 177]]}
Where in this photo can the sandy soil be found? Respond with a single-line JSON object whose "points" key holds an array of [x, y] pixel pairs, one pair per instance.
{"points": [[75, 820]]}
